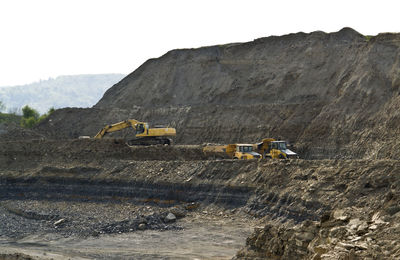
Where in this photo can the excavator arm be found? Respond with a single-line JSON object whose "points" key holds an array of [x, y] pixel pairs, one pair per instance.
{"points": [[116, 127]]}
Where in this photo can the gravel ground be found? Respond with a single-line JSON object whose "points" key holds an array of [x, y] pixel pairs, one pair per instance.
{"points": [[83, 219], [111, 230]]}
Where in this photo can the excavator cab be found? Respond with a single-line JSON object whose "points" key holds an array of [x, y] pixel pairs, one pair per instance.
{"points": [[140, 128]]}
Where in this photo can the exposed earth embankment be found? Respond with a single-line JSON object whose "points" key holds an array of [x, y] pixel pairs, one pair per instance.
{"points": [[303, 196], [334, 96]]}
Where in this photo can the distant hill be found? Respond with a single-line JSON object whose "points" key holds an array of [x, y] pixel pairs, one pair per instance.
{"points": [[63, 91]]}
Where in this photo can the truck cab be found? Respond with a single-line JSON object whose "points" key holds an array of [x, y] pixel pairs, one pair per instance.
{"points": [[274, 149], [279, 150], [245, 152]]}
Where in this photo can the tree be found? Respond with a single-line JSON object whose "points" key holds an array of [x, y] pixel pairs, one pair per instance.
{"points": [[28, 112], [29, 117], [51, 110]]}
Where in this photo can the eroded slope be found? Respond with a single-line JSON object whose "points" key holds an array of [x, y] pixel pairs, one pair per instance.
{"points": [[334, 95]]}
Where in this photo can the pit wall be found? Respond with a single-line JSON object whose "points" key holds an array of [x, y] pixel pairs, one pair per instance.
{"points": [[288, 191]]}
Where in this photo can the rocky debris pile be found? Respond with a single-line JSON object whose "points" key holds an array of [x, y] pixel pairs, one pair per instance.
{"points": [[279, 242], [299, 200], [84, 219], [350, 233], [156, 221], [16, 256]]}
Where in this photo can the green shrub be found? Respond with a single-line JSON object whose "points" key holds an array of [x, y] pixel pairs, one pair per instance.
{"points": [[30, 117], [28, 122], [368, 37], [9, 118]]}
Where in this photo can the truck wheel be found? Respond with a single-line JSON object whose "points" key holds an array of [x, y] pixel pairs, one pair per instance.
{"points": [[235, 158], [281, 156]]}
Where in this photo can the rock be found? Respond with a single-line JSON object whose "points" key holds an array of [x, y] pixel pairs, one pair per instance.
{"points": [[354, 223], [362, 246], [191, 206], [338, 232], [362, 229], [346, 245], [339, 215], [59, 222], [376, 218], [170, 218], [373, 227], [321, 249], [356, 239], [142, 226], [305, 236], [179, 212]]}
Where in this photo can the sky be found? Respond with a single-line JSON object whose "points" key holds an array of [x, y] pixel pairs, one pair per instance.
{"points": [[47, 38]]}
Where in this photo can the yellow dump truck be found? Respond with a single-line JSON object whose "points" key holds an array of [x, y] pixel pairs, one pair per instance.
{"points": [[231, 151], [273, 149]]}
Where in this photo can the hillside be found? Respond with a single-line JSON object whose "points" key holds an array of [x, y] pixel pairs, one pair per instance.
{"points": [[63, 91], [333, 95]]}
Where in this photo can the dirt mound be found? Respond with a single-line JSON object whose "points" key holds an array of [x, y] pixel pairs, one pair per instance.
{"points": [[18, 154], [12, 132], [333, 95]]}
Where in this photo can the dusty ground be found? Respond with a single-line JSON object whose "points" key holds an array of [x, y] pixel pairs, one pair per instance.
{"points": [[334, 96], [202, 234], [345, 207]]}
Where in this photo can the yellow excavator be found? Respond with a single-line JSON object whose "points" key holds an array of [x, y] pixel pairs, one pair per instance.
{"points": [[144, 135]]}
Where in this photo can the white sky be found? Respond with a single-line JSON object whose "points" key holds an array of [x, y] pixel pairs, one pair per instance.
{"points": [[48, 38]]}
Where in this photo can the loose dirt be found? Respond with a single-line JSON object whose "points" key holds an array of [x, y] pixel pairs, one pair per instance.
{"points": [[335, 97], [113, 195]]}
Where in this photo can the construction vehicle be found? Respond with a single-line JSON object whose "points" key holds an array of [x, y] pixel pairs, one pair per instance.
{"points": [[231, 151], [144, 135], [273, 149]]}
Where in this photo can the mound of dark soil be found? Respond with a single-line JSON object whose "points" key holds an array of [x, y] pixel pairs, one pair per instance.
{"points": [[13, 132], [333, 95]]}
